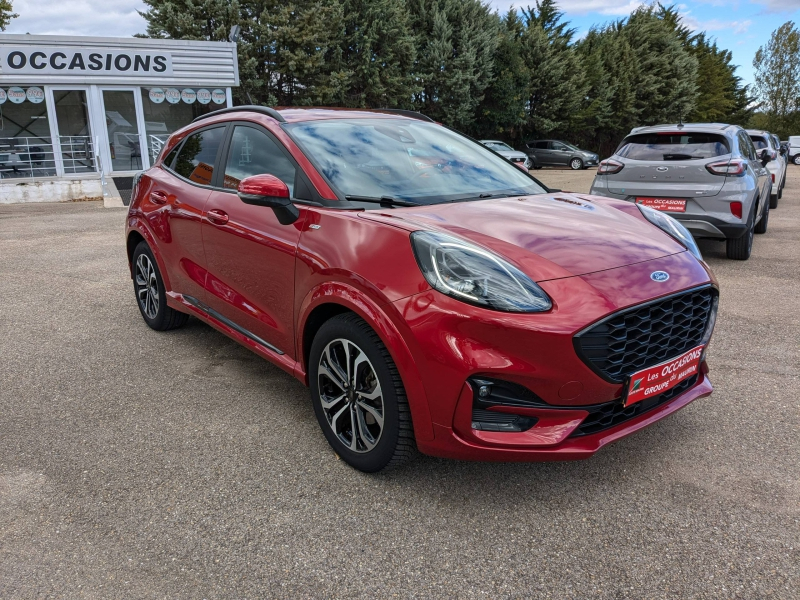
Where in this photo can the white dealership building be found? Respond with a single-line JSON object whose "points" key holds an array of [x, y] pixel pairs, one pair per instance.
{"points": [[79, 114]]}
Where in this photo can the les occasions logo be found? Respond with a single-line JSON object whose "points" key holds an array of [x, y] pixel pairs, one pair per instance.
{"points": [[85, 60]]}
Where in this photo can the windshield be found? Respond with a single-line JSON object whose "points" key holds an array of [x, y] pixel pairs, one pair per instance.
{"points": [[673, 146], [412, 161], [571, 147], [759, 142], [498, 146]]}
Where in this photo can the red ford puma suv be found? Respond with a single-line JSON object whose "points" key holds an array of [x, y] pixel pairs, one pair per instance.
{"points": [[431, 294]]}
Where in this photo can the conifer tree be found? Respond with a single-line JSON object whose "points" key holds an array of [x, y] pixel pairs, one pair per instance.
{"points": [[456, 41]]}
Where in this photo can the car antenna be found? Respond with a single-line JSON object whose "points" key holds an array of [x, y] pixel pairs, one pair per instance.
{"points": [[680, 122]]}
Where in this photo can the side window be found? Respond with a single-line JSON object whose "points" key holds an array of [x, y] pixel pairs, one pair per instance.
{"points": [[559, 146], [747, 146], [253, 152], [198, 154], [171, 156], [542, 145]]}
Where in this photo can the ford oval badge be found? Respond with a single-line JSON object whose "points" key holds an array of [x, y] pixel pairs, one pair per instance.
{"points": [[659, 275]]}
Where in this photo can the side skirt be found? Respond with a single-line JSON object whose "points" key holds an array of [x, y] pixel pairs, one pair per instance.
{"points": [[239, 334]]}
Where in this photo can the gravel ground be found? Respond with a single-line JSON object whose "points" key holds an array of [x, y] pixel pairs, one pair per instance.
{"points": [[140, 464]]}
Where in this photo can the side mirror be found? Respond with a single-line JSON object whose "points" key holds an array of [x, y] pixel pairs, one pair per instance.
{"points": [[765, 156], [267, 190]]}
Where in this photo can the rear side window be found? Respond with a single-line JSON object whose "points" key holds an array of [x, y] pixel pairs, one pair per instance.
{"points": [[673, 146], [198, 154], [253, 152], [171, 156], [542, 145], [759, 142], [746, 146]]}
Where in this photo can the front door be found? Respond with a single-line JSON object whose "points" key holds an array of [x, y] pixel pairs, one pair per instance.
{"points": [[124, 144], [561, 154], [250, 255]]}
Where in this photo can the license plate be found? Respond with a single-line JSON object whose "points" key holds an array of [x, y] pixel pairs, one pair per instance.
{"points": [[662, 377], [664, 204]]}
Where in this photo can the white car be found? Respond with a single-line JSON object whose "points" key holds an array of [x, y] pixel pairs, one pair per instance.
{"points": [[764, 140], [794, 149], [520, 159]]}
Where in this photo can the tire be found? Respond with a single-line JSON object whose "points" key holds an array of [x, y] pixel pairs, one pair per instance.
{"points": [[534, 165], [151, 296], [796, 159], [341, 409], [761, 226], [576, 164], [773, 199], [741, 247]]}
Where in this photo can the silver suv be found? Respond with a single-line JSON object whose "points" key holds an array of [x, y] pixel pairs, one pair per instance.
{"points": [[776, 167], [708, 176]]}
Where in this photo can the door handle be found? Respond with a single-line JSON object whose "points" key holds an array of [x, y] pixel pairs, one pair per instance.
{"points": [[158, 197], [218, 217]]}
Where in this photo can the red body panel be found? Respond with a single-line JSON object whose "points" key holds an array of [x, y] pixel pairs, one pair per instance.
{"points": [[592, 256]]}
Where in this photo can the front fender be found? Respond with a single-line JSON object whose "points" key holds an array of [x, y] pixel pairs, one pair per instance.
{"points": [[388, 323]]}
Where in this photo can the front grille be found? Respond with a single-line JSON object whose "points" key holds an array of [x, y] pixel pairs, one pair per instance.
{"points": [[646, 335], [605, 416]]}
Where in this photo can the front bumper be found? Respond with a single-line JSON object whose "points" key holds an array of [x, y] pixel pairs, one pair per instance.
{"points": [[453, 343], [550, 438]]}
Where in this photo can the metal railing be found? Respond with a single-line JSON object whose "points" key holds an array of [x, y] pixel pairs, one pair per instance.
{"points": [[156, 144], [32, 157]]}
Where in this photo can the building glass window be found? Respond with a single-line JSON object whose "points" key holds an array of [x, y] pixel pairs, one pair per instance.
{"points": [[74, 134], [168, 109], [123, 131], [26, 149]]}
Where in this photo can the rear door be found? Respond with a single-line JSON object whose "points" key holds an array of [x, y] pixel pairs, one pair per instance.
{"points": [[669, 165], [175, 204], [544, 153]]}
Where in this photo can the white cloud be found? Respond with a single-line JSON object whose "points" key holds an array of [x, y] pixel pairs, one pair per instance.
{"points": [[112, 18], [737, 27]]}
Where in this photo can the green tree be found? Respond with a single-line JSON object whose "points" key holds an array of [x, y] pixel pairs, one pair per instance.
{"points": [[456, 41], [557, 82], [5, 14], [376, 56], [502, 112], [777, 77]]}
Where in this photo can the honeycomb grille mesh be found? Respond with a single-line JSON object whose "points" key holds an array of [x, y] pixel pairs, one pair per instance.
{"points": [[611, 414], [644, 336]]}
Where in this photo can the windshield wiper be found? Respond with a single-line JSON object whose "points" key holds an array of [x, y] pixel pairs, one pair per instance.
{"points": [[386, 201], [678, 157]]}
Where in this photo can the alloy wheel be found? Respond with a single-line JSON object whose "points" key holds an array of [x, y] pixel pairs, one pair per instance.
{"points": [[351, 396], [147, 286], [576, 164]]}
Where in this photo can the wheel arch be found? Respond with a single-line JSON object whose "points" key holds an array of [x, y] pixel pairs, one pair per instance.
{"points": [[333, 298], [137, 233]]}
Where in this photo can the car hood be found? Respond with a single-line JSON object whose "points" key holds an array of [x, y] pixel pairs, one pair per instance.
{"points": [[548, 236]]}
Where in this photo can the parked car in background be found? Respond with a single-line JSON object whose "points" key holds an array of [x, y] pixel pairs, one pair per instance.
{"points": [[520, 159], [404, 292], [708, 177], [794, 149], [765, 141], [557, 153]]}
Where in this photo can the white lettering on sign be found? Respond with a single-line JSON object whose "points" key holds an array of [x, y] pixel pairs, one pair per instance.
{"points": [[83, 61]]}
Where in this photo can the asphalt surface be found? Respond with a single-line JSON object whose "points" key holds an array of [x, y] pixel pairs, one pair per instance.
{"points": [[136, 464]]}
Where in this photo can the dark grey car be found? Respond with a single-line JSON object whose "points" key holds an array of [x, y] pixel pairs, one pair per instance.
{"points": [[709, 177], [557, 153]]}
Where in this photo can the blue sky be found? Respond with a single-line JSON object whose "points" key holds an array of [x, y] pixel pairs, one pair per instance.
{"points": [[741, 26]]}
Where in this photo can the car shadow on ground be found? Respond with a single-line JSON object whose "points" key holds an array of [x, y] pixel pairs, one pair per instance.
{"points": [[639, 454]]}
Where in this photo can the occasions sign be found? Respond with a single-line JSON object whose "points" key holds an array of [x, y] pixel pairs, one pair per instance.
{"points": [[25, 60]]}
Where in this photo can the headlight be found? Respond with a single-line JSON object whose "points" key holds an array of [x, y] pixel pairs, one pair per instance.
{"points": [[671, 227], [474, 275]]}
